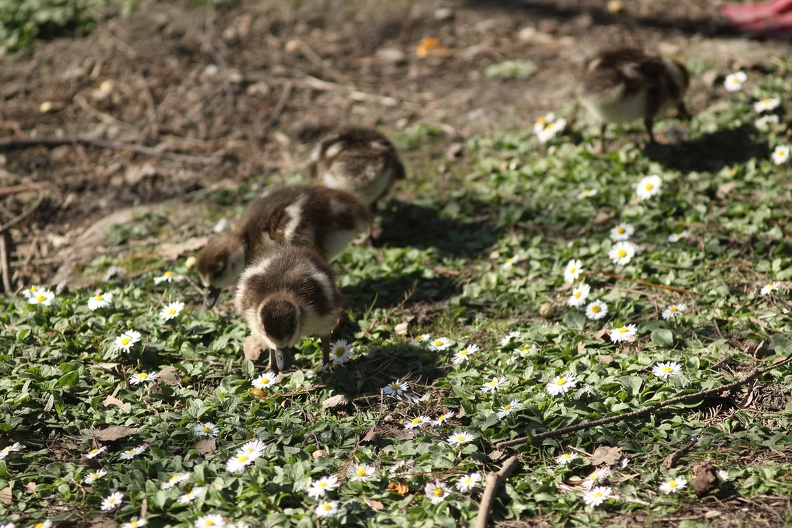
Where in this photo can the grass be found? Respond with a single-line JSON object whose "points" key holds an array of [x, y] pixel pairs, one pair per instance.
{"points": [[476, 255]]}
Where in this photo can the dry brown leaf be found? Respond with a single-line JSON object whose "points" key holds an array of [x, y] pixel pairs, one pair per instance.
{"points": [[172, 251], [605, 359], [495, 455], [104, 523], [258, 393], [340, 400], [6, 495], [112, 400], [371, 437], [30, 487], [581, 348], [113, 432], [401, 328], [606, 455], [206, 446], [252, 348], [399, 487], [374, 504], [169, 376], [725, 189]]}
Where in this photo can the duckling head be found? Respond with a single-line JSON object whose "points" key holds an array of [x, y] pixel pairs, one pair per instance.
{"points": [[280, 319], [220, 264]]}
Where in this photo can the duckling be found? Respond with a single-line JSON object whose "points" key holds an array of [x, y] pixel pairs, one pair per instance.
{"points": [[626, 84], [313, 216], [285, 295], [359, 160]]}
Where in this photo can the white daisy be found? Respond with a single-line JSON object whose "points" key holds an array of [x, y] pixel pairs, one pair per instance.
{"points": [[586, 193], [125, 341], [131, 453], [238, 463], [396, 388], [596, 310], [769, 288], [168, 276], [323, 485], [561, 384], [464, 354], [94, 476], [468, 482], [175, 480], [443, 418], [423, 338], [32, 291], [734, 81], [340, 352], [43, 524], [597, 496], [212, 520], [673, 311], [723, 476], [579, 295], [253, 447], [326, 509], [622, 231], [462, 437], [673, 485], [595, 477], [112, 501], [780, 154], [666, 370], [440, 343], [42, 296], [16, 446], [525, 352], [361, 472], [95, 452], [622, 252], [623, 333], [676, 237], [207, 429], [573, 270], [565, 458], [142, 377], [511, 261], [767, 104], [542, 122], [648, 187], [192, 495], [135, 523], [100, 300], [266, 380], [493, 385], [764, 122], [171, 310], [418, 421], [508, 408], [551, 129], [505, 340], [436, 491]]}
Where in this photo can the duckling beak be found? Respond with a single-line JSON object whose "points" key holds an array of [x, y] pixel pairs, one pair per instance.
{"points": [[283, 359], [212, 294]]}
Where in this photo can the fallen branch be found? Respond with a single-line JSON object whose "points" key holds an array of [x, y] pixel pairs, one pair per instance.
{"points": [[51, 141], [635, 281], [24, 214], [5, 242], [644, 411], [279, 106], [13, 189], [494, 481]]}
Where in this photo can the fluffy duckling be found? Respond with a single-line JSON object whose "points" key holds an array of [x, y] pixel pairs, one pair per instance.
{"points": [[287, 294], [625, 84], [312, 216], [359, 160]]}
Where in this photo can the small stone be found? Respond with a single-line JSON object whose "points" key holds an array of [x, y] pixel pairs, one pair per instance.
{"points": [[444, 13], [45, 107], [546, 311], [320, 453], [615, 7]]}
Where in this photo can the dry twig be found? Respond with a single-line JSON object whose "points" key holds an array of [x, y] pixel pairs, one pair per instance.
{"points": [[24, 214], [494, 481], [5, 242], [644, 411]]}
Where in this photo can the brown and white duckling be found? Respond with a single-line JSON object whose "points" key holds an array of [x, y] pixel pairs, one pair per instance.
{"points": [[359, 160], [285, 295], [625, 84], [311, 216]]}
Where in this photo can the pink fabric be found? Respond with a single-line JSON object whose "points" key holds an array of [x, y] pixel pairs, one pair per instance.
{"points": [[767, 19]]}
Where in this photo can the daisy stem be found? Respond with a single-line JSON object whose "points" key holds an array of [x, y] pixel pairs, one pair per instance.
{"points": [[646, 410]]}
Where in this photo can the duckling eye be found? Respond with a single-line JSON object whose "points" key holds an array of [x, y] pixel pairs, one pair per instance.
{"points": [[218, 270]]}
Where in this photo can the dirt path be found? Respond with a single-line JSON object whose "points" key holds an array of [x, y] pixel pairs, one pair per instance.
{"points": [[172, 100]]}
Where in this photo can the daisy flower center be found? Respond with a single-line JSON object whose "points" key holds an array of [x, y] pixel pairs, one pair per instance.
{"points": [[572, 270], [493, 383], [441, 418], [339, 351], [41, 298], [206, 429], [99, 298], [649, 186], [461, 438], [416, 420], [623, 330], [596, 308], [172, 311], [622, 253], [125, 340], [438, 342], [620, 230], [672, 484], [597, 494], [361, 472], [438, 492], [577, 294], [33, 289], [506, 407], [673, 309], [561, 381], [667, 369], [463, 352], [111, 500], [395, 387], [210, 522], [265, 380], [142, 375], [243, 458], [326, 506], [322, 485], [169, 274], [586, 191]]}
